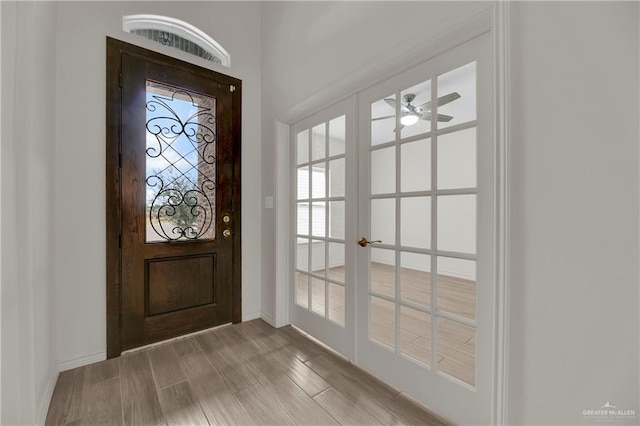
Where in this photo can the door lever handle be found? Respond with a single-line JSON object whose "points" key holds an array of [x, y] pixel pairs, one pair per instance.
{"points": [[363, 242]]}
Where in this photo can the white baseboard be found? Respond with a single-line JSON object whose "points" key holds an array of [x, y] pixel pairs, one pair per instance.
{"points": [[252, 316], [456, 274], [442, 271], [46, 400], [268, 319], [102, 355], [82, 361]]}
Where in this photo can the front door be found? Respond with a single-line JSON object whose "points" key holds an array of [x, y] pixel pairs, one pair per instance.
{"points": [[172, 196]]}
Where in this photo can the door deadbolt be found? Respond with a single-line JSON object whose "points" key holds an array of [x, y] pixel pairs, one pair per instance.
{"points": [[226, 219], [226, 233]]}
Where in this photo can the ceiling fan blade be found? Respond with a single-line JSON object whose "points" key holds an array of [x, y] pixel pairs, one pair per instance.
{"points": [[442, 100], [441, 117], [392, 103], [426, 107], [401, 127], [445, 118], [382, 118]]}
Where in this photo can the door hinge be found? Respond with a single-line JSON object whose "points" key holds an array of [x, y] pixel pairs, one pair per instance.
{"points": [[120, 160], [232, 88], [120, 80], [120, 241]]}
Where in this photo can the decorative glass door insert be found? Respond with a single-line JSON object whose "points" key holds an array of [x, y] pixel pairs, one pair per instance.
{"points": [[180, 164]]}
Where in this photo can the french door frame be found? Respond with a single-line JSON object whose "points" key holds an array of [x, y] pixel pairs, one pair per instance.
{"points": [[496, 19]]}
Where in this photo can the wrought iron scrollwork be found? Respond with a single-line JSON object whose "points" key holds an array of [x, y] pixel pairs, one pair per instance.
{"points": [[182, 201]]}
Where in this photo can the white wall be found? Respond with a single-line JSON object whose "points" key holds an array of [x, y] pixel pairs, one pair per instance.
{"points": [[29, 366], [574, 279], [80, 152]]}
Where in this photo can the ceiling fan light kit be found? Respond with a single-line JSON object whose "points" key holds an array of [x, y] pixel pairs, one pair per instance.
{"points": [[409, 119], [411, 114]]}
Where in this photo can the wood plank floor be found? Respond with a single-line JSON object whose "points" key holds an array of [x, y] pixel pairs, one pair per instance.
{"points": [[243, 374], [456, 341]]}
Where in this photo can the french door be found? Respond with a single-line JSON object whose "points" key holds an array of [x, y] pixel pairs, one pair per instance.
{"points": [[425, 297], [422, 274], [323, 187]]}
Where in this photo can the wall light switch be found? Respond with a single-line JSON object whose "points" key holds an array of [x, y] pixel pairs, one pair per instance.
{"points": [[268, 202]]}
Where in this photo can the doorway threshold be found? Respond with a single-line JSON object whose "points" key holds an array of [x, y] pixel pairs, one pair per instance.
{"points": [[173, 339]]}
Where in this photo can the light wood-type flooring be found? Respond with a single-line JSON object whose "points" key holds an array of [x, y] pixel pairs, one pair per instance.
{"points": [[455, 350], [243, 374]]}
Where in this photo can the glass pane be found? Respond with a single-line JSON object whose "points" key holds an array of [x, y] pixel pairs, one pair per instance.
{"points": [[318, 141], [457, 223], [303, 147], [456, 350], [457, 286], [457, 96], [383, 120], [336, 219], [303, 183], [302, 254], [382, 322], [303, 219], [383, 272], [383, 220], [336, 178], [415, 278], [302, 289], [318, 262], [180, 164], [457, 160], [337, 136], [336, 262], [415, 334], [415, 171], [383, 171], [336, 303], [318, 219], [415, 222], [416, 110], [318, 181], [318, 296]]}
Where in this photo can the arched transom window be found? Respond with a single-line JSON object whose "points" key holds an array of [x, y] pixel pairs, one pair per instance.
{"points": [[177, 34]]}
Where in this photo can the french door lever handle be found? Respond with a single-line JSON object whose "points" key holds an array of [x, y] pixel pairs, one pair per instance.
{"points": [[363, 242]]}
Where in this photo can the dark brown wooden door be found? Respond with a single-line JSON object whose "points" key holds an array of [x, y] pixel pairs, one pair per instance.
{"points": [[176, 129]]}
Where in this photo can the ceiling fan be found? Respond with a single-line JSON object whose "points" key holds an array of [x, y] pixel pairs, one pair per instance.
{"points": [[411, 114]]}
